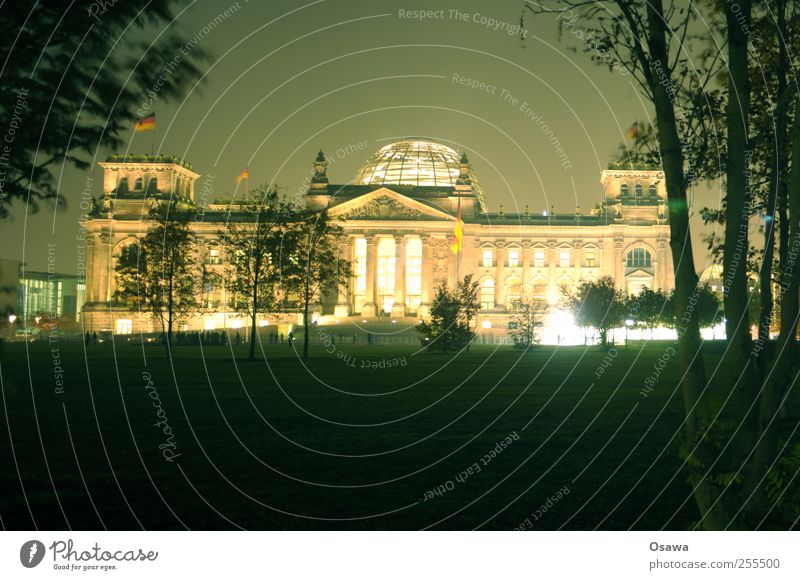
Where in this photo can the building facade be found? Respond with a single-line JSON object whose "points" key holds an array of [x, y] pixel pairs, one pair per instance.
{"points": [[399, 215]]}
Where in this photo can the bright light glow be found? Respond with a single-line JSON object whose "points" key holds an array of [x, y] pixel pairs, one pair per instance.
{"points": [[236, 324], [629, 323], [209, 324], [185, 327], [486, 323], [124, 326], [263, 322], [559, 328], [714, 332], [12, 318], [414, 162]]}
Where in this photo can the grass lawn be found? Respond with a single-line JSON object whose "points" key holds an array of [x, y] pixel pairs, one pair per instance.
{"points": [[340, 442]]}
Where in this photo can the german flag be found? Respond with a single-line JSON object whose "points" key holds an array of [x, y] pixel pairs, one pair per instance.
{"points": [[146, 124], [458, 235], [245, 174]]}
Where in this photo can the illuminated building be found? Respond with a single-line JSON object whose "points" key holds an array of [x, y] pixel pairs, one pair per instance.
{"points": [[399, 215]]}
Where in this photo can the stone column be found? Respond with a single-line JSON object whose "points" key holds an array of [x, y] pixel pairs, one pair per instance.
{"points": [[553, 290], [370, 303], [500, 288], [399, 306], [103, 262], [525, 257], [345, 291], [91, 269], [619, 263], [427, 278]]}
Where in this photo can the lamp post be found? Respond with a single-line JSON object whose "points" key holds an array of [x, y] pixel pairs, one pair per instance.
{"points": [[12, 318]]}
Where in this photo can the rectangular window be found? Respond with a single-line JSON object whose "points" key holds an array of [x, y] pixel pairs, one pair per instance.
{"points": [[488, 258], [513, 258], [590, 259], [213, 256], [538, 259], [563, 259]]}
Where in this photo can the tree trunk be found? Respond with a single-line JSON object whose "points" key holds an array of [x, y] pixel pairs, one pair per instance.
{"points": [[776, 180], [690, 362], [252, 346], [737, 218], [306, 325]]}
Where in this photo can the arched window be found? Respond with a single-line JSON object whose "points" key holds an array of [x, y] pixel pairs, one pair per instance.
{"points": [[623, 189], [653, 190], [638, 258], [138, 184], [152, 185], [638, 189], [513, 290], [540, 295], [122, 185], [487, 294]]}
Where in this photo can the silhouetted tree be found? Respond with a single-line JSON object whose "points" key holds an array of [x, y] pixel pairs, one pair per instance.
{"points": [[159, 275], [597, 304], [256, 253]]}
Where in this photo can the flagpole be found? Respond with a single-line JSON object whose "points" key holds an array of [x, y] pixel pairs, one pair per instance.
{"points": [[458, 254]]}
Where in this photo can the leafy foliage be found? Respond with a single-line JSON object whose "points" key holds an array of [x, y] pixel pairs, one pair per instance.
{"points": [[258, 254], [316, 264], [74, 89], [450, 325], [597, 304], [525, 324], [159, 275]]}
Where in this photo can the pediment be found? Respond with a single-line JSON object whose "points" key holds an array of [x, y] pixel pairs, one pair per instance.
{"points": [[385, 204], [639, 273]]}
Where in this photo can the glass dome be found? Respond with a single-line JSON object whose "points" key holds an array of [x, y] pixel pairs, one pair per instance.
{"points": [[411, 162]]}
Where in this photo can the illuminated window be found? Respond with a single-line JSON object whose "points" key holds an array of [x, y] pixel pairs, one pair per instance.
{"points": [[386, 266], [590, 259], [513, 258], [124, 326], [213, 256], [638, 258], [487, 294], [488, 258], [209, 324], [513, 292], [563, 259], [540, 295], [360, 272], [538, 258], [486, 323], [413, 274]]}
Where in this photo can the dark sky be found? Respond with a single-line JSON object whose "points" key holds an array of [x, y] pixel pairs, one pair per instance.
{"points": [[289, 78]]}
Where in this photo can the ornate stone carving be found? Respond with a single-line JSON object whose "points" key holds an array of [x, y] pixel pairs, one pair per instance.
{"points": [[382, 208]]}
